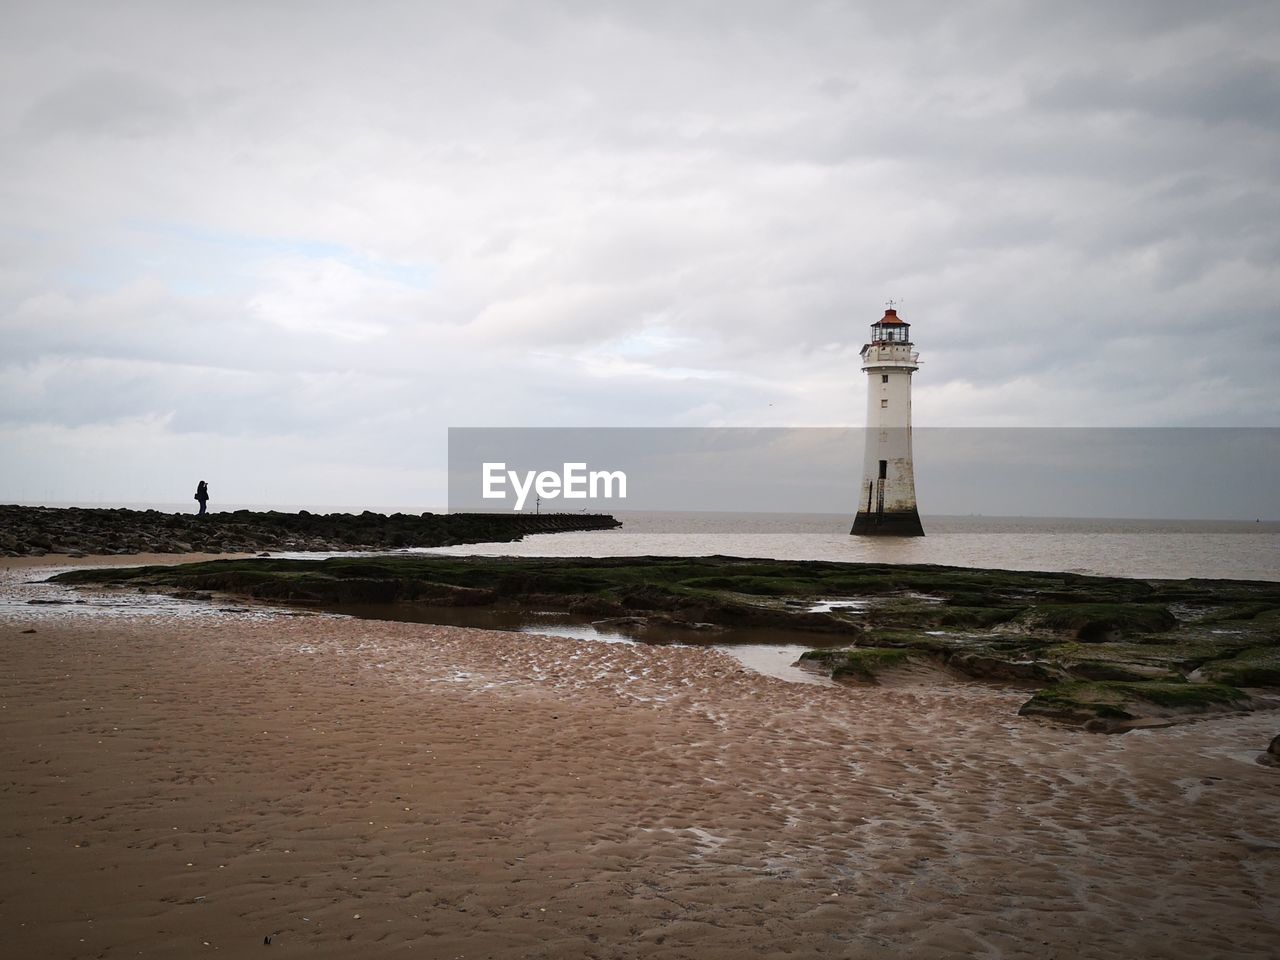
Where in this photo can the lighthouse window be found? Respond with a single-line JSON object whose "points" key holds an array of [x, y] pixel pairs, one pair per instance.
{"points": [[884, 469], [884, 403], [884, 378]]}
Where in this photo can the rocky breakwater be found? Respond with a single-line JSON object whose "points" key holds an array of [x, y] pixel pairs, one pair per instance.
{"points": [[36, 531]]}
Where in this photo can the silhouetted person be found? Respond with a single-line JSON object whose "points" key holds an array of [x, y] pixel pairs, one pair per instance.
{"points": [[202, 494]]}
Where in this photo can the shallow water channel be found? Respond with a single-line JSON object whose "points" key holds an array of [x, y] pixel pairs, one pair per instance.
{"points": [[766, 650]]}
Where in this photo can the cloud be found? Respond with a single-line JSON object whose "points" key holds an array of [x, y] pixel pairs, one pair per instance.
{"points": [[329, 298], [346, 230]]}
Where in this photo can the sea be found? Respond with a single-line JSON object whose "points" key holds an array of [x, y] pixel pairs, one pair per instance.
{"points": [[1142, 548], [1149, 549]]}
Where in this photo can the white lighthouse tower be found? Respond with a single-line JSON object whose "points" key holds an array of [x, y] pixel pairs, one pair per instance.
{"points": [[887, 497]]}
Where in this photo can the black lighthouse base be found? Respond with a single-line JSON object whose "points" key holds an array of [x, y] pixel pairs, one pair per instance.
{"points": [[900, 523]]}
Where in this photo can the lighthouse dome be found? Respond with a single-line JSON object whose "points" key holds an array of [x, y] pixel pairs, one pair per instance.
{"points": [[890, 316]]}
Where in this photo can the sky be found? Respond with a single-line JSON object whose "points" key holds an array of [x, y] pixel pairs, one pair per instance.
{"points": [[285, 246]]}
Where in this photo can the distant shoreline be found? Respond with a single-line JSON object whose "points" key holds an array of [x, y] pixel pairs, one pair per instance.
{"points": [[1246, 524]]}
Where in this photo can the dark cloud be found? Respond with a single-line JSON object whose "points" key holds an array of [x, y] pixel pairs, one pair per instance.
{"points": [[107, 103], [1216, 91]]}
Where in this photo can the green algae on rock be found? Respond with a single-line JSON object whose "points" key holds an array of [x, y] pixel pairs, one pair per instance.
{"points": [[1112, 705], [1255, 667], [861, 663], [1102, 621]]}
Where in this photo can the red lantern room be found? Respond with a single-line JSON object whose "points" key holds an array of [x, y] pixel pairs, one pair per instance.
{"points": [[890, 329]]}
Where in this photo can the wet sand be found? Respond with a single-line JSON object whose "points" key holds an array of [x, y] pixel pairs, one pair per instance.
{"points": [[181, 779]]}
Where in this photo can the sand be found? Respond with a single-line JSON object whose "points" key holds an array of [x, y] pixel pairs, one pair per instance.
{"points": [[181, 780]]}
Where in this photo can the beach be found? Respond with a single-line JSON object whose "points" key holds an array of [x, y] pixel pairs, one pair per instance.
{"points": [[207, 776]]}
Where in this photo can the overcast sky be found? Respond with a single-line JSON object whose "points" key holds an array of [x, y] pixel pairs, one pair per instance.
{"points": [[283, 246]]}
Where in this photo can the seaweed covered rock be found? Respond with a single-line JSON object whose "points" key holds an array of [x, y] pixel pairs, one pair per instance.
{"points": [[1116, 705], [1119, 670], [863, 664], [1102, 622], [989, 666], [1255, 667]]}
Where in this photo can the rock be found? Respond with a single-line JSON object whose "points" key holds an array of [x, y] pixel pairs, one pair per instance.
{"points": [[856, 664], [1101, 670], [1272, 757], [986, 667], [37, 531], [1114, 706]]}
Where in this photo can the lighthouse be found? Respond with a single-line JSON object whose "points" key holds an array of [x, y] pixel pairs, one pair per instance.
{"points": [[887, 496]]}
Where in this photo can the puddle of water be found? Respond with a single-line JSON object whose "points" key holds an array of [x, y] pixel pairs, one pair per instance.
{"points": [[776, 661], [839, 604], [770, 651], [26, 594], [863, 604], [578, 631]]}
